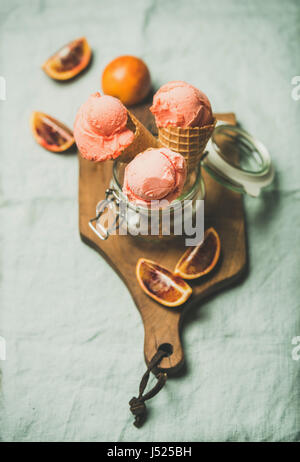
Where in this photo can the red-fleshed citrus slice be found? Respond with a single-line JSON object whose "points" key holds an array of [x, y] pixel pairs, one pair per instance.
{"points": [[50, 133], [69, 61], [200, 260], [160, 284]]}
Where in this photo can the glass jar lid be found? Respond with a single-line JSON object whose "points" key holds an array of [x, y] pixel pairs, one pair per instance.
{"points": [[237, 160]]}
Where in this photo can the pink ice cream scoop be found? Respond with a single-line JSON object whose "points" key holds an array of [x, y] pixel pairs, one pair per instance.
{"points": [[154, 175], [179, 104], [100, 128]]}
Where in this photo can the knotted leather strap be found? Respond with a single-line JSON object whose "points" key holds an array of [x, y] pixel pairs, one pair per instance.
{"points": [[137, 405]]}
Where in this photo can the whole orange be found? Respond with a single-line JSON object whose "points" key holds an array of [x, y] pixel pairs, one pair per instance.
{"points": [[127, 78]]}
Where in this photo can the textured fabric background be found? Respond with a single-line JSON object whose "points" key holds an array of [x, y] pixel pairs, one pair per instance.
{"points": [[74, 338]]}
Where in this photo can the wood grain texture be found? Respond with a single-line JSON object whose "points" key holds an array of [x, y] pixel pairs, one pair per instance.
{"points": [[223, 211]]}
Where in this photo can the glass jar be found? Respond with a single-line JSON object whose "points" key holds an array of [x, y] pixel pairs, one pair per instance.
{"points": [[117, 215]]}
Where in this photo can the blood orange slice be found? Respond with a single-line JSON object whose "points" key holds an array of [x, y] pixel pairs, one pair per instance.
{"points": [[69, 61], [200, 260], [160, 284], [50, 133]]}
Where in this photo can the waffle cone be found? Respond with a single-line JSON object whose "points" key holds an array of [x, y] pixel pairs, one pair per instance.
{"points": [[189, 142], [143, 139]]}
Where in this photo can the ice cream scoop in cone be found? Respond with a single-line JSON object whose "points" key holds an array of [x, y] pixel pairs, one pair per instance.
{"points": [[184, 119], [104, 129], [190, 142]]}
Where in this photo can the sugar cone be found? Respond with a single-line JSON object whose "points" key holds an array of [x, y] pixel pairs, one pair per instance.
{"points": [[189, 142], [143, 139]]}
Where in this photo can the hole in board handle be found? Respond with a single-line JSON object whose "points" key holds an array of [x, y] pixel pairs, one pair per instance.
{"points": [[166, 348]]}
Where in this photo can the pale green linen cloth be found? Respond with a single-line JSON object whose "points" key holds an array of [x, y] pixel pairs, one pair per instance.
{"points": [[74, 337]]}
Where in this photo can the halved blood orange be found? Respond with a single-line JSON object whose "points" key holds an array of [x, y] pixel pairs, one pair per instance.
{"points": [[50, 133], [69, 61], [200, 260], [160, 284]]}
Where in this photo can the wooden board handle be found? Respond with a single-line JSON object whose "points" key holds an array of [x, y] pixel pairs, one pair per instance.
{"points": [[162, 332]]}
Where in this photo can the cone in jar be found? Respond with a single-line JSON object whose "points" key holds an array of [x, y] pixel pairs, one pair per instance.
{"points": [[143, 139], [189, 142], [184, 119]]}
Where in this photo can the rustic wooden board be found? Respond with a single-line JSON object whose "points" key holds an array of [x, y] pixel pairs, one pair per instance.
{"points": [[223, 210]]}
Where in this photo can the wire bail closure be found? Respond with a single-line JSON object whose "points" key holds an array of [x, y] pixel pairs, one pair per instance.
{"points": [[110, 198], [137, 405]]}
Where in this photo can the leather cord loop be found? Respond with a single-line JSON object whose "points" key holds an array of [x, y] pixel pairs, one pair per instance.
{"points": [[137, 405]]}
